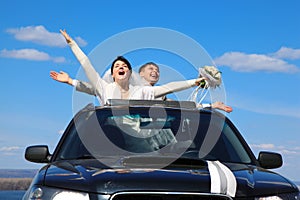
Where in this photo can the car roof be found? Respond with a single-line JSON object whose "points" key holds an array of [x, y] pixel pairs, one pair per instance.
{"points": [[179, 105], [155, 103]]}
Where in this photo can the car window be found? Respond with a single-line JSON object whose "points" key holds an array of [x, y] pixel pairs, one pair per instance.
{"points": [[144, 130], [73, 148]]}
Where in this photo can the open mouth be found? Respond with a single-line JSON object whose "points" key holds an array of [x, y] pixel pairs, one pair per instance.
{"points": [[153, 76], [121, 73]]}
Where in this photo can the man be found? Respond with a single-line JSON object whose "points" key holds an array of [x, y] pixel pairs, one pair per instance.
{"points": [[150, 73]]}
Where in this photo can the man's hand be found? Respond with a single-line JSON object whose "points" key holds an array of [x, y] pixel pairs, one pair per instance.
{"points": [[221, 106]]}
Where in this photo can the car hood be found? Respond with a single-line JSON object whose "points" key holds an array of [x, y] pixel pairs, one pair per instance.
{"points": [[92, 176]]}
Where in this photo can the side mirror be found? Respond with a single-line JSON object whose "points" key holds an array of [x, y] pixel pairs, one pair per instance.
{"points": [[269, 160], [37, 154]]}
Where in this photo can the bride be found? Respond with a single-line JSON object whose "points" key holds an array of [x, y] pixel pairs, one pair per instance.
{"points": [[121, 73]]}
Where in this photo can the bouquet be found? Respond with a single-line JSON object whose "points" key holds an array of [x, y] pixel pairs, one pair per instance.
{"points": [[212, 76]]}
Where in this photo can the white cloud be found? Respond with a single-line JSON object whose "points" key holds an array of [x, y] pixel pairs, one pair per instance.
{"points": [[81, 42], [30, 54], [242, 62], [263, 146], [40, 35], [287, 53], [288, 152], [9, 149], [280, 149]]}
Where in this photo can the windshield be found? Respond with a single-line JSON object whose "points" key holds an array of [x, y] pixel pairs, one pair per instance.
{"points": [[152, 131]]}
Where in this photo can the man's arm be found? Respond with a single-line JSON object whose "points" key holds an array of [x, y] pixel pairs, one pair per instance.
{"points": [[217, 105]]}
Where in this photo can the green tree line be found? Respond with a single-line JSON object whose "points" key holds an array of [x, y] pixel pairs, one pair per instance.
{"points": [[15, 183]]}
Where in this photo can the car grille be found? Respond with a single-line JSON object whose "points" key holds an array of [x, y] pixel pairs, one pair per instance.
{"points": [[168, 196]]}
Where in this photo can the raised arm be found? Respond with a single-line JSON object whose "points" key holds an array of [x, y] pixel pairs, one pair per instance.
{"points": [[171, 87], [96, 81]]}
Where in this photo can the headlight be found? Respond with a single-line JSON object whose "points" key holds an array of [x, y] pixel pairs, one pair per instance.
{"points": [[47, 193], [71, 195], [288, 196]]}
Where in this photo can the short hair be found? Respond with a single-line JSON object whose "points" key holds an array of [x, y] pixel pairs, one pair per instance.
{"points": [[146, 64], [121, 58]]}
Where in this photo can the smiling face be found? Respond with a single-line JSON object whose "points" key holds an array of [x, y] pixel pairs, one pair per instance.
{"points": [[120, 71], [150, 73]]}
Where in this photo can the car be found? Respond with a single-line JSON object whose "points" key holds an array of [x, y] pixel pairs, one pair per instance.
{"points": [[158, 150]]}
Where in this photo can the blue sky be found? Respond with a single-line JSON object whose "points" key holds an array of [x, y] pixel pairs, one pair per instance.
{"points": [[256, 45]]}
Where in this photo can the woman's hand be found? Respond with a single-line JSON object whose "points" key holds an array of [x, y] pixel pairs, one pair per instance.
{"points": [[61, 77], [66, 36]]}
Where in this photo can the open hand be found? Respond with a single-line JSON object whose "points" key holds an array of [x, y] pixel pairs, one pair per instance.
{"points": [[61, 76], [221, 106]]}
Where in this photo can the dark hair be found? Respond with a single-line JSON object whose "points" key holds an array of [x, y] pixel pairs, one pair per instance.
{"points": [[146, 64], [121, 58]]}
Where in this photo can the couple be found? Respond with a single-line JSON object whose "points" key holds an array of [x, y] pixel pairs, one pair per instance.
{"points": [[121, 86], [149, 76]]}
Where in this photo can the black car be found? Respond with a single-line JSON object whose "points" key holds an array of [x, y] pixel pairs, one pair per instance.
{"points": [[154, 150]]}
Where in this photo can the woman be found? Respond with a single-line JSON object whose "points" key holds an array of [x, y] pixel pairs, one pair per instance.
{"points": [[121, 72]]}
